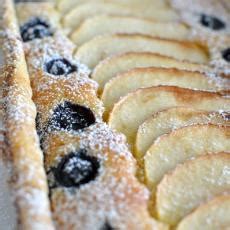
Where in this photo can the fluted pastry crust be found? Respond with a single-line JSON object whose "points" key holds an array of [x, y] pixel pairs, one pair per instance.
{"points": [[23, 151]]}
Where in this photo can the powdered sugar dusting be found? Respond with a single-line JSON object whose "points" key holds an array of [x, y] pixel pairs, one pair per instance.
{"points": [[114, 196], [8, 214], [7, 210], [99, 138], [216, 40], [19, 116], [111, 199], [20, 110], [51, 48], [50, 90]]}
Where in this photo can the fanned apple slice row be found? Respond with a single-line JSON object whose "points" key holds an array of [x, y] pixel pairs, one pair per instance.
{"points": [[92, 27], [180, 145], [81, 12], [131, 80], [192, 184], [132, 110], [212, 215], [66, 5], [167, 120], [101, 47], [112, 66]]}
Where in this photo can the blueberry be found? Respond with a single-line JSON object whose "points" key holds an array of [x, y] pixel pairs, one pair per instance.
{"points": [[60, 66], [212, 22], [37, 121], [227, 116], [38, 129], [107, 226], [226, 54], [35, 28], [71, 117], [76, 169]]}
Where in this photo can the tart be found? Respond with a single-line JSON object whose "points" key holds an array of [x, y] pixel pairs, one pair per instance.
{"points": [[115, 114]]}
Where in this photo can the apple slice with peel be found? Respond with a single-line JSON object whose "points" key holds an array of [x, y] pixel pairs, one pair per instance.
{"points": [[112, 66], [133, 79], [212, 215], [101, 47], [167, 120], [192, 184], [180, 145], [132, 110]]}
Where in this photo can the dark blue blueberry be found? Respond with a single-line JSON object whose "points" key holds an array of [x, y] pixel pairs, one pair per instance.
{"points": [[35, 28], [76, 169], [60, 66], [226, 116], [107, 226], [226, 54], [71, 117], [37, 121], [212, 22]]}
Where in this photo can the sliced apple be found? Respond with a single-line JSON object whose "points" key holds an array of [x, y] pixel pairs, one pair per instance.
{"points": [[132, 110], [92, 27], [167, 120], [180, 145], [191, 184], [112, 66], [131, 80], [210, 216], [66, 5], [81, 12], [101, 47]]}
